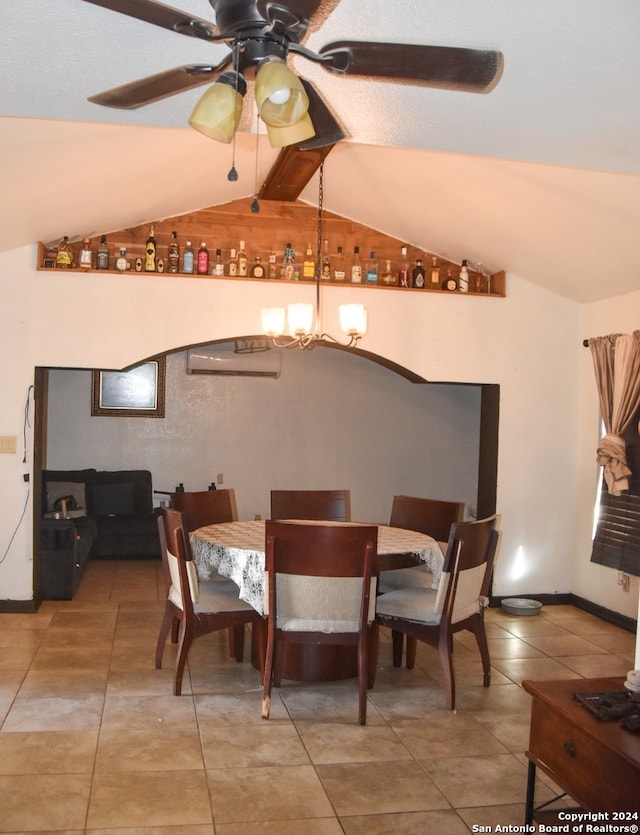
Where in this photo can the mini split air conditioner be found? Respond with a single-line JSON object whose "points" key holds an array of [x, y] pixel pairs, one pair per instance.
{"points": [[216, 359]]}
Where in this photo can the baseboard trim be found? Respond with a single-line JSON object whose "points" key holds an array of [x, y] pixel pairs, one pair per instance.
{"points": [[18, 606], [623, 621]]}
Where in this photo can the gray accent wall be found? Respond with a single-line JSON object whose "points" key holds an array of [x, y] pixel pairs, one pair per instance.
{"points": [[332, 420]]}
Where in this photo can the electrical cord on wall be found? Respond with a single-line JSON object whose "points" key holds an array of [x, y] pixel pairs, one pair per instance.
{"points": [[17, 528], [26, 425]]}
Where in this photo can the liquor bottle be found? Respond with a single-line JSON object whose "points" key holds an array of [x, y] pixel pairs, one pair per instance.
{"points": [[160, 265], [356, 266], [243, 261], [434, 275], [138, 264], [174, 253], [450, 282], [86, 255], [203, 260], [218, 267], [273, 265], [339, 272], [325, 272], [150, 253], [102, 255], [418, 275], [463, 279], [64, 254], [187, 258], [287, 269], [121, 262], [387, 277], [371, 271], [232, 266], [257, 270], [404, 271], [309, 264]]}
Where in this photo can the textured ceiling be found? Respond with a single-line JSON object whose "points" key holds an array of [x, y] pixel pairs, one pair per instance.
{"points": [[540, 177]]}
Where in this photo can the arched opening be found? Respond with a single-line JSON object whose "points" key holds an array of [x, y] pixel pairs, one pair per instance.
{"points": [[333, 418]]}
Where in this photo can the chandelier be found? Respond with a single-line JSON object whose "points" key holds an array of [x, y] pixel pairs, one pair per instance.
{"points": [[304, 320]]}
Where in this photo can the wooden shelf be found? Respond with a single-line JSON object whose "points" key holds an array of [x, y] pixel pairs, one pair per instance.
{"points": [[277, 223]]}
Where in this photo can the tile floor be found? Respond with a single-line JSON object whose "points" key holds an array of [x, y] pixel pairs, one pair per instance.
{"points": [[92, 741]]}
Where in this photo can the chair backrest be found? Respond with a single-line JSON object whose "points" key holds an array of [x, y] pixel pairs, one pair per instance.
{"points": [[468, 567], [177, 560], [321, 505], [431, 516], [320, 578], [206, 507]]}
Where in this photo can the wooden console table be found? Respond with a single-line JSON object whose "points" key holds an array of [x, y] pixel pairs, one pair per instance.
{"points": [[596, 762]]}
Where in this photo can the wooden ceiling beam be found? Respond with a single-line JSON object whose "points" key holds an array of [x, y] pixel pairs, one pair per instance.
{"points": [[291, 172]]}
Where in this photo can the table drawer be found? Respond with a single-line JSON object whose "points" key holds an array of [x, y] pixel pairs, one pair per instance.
{"points": [[593, 774]]}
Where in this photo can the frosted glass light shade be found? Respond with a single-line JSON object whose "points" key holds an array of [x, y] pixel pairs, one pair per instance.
{"points": [[217, 113], [273, 321], [279, 137], [300, 319], [280, 96], [353, 319]]}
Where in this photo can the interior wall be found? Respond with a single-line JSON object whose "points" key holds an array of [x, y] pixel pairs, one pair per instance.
{"points": [[527, 343], [331, 420]]}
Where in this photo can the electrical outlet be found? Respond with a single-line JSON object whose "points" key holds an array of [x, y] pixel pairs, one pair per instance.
{"points": [[220, 478], [8, 444]]}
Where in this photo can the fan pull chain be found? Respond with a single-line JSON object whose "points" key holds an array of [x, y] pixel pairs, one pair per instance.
{"points": [[319, 242], [232, 176], [255, 206]]}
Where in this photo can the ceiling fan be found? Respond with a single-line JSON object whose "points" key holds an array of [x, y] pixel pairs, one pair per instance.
{"points": [[261, 33]]}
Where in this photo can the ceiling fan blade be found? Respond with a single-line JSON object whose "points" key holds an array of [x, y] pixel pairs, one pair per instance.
{"points": [[328, 129], [158, 86], [445, 67], [165, 16]]}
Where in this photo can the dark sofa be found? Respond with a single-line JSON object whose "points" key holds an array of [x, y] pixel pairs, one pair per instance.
{"points": [[114, 510]]}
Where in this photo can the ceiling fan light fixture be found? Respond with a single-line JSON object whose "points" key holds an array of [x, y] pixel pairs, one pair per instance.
{"points": [[217, 113], [280, 96], [292, 135]]}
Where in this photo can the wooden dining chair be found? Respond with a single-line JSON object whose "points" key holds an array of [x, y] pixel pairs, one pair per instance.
{"points": [[322, 505], [206, 507], [321, 590], [201, 508], [433, 616], [431, 516], [197, 607]]}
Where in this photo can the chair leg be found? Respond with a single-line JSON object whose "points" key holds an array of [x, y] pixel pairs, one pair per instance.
{"points": [[481, 639], [236, 637], [362, 680], [412, 645], [372, 654], [175, 631], [445, 647], [267, 677], [396, 647], [167, 622], [184, 644]]}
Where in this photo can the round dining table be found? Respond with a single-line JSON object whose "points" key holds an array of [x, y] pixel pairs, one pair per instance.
{"points": [[237, 550]]}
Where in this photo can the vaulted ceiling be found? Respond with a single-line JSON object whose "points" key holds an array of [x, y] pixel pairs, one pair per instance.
{"points": [[540, 177]]}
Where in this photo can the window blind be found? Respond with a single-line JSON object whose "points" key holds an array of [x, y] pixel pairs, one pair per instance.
{"points": [[617, 539]]}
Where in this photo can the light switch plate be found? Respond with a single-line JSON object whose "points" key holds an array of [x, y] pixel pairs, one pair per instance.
{"points": [[8, 444]]}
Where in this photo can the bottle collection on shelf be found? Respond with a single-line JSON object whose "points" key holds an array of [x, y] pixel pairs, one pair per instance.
{"points": [[333, 267]]}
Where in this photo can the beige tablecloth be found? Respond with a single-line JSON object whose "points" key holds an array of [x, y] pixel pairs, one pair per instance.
{"points": [[236, 550]]}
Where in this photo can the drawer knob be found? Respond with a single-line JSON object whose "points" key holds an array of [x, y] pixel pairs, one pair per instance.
{"points": [[570, 747]]}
